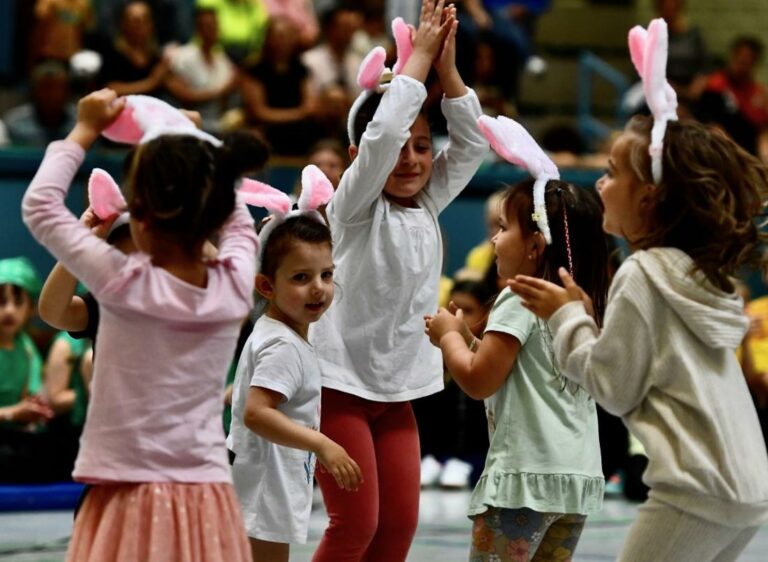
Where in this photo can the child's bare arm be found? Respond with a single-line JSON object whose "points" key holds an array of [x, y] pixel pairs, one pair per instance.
{"points": [[445, 62], [58, 371], [262, 417], [427, 40]]}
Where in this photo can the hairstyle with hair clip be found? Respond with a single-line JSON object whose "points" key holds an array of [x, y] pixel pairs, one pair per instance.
{"points": [[511, 141], [649, 50], [373, 76], [316, 191]]}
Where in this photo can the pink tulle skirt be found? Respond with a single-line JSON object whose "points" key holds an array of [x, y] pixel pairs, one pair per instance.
{"points": [[160, 522]]}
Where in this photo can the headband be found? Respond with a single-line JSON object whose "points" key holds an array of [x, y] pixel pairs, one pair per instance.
{"points": [[146, 118], [649, 50], [511, 141], [106, 199], [316, 191], [373, 76]]}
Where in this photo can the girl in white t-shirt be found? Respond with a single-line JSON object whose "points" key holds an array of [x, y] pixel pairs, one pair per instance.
{"points": [[276, 396], [374, 355]]}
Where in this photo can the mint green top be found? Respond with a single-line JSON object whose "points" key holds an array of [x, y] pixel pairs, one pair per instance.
{"points": [[544, 452], [77, 347]]}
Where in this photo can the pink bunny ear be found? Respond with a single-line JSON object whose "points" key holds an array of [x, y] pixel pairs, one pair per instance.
{"points": [[125, 128], [258, 194], [104, 195], [371, 69], [316, 189], [638, 37], [402, 35], [511, 141]]}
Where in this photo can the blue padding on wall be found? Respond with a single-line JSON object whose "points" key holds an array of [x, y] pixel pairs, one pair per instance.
{"points": [[39, 497]]}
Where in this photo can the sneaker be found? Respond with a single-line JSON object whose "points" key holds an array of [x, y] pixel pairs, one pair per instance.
{"points": [[455, 474], [430, 471]]}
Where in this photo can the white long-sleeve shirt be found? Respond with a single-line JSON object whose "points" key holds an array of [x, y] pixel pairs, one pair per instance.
{"points": [[388, 258], [665, 362]]}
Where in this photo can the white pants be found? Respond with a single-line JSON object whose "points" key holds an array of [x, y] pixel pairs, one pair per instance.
{"points": [[662, 533]]}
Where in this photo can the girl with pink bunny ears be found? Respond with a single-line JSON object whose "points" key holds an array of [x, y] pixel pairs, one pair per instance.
{"points": [[686, 199], [388, 255], [543, 464], [153, 448], [275, 433]]}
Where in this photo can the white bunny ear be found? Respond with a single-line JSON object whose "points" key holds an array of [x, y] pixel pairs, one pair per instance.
{"points": [[104, 195], [511, 141], [316, 189], [258, 194], [402, 34]]}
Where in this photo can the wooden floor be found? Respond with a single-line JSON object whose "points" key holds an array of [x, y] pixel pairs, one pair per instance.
{"points": [[443, 533]]}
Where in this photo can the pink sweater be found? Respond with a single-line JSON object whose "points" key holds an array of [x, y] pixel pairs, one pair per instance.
{"points": [[164, 345]]}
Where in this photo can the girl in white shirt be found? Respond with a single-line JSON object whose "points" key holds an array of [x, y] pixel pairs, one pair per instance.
{"points": [[374, 355]]}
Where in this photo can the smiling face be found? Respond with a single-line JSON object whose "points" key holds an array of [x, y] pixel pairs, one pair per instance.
{"points": [[414, 166], [622, 192], [302, 288]]}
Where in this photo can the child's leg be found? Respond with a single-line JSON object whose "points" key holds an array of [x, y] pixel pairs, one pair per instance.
{"points": [[265, 551], [662, 532], [396, 440], [520, 535], [353, 516]]}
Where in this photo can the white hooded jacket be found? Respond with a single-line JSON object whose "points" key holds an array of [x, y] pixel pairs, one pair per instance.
{"points": [[665, 362]]}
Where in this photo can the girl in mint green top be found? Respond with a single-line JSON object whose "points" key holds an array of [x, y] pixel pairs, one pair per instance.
{"points": [[543, 473]]}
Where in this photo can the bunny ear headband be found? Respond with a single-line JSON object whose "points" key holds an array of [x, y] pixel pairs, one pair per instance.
{"points": [[649, 51], [511, 141], [373, 76], [145, 118], [316, 191], [106, 198]]}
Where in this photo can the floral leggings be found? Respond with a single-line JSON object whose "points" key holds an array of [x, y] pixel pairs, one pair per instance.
{"points": [[523, 535]]}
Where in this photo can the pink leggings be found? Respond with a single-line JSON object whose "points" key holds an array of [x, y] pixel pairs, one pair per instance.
{"points": [[376, 523]]}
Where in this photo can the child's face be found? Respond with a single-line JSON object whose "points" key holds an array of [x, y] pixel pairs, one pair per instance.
{"points": [[329, 163], [621, 192], [303, 285], [414, 166], [474, 311], [15, 310], [513, 249]]}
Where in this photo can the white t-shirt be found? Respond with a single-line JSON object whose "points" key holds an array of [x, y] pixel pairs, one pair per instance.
{"points": [[191, 66], [388, 258], [274, 483]]}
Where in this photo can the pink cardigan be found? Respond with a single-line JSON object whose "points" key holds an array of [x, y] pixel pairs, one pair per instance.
{"points": [[164, 346]]}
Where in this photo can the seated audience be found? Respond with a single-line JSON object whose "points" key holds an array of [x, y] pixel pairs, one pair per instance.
{"points": [[59, 29], [242, 27]]}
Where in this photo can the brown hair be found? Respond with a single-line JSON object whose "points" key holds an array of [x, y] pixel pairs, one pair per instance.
{"points": [[284, 237], [705, 205], [588, 242]]}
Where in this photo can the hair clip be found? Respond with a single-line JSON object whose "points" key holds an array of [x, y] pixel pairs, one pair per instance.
{"points": [[511, 141], [649, 50], [373, 76], [145, 118], [316, 191]]}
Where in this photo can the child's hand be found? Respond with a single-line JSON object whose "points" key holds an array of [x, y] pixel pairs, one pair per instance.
{"points": [[340, 465], [98, 226], [442, 323], [31, 410], [544, 298], [95, 112], [429, 36], [445, 61]]}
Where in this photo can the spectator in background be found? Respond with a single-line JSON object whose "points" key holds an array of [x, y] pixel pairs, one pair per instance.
{"points": [[202, 76], [301, 13], [59, 28], [481, 257], [734, 99], [333, 66], [242, 27], [133, 64], [49, 114], [509, 27], [277, 94], [173, 22], [329, 155], [21, 406], [687, 60]]}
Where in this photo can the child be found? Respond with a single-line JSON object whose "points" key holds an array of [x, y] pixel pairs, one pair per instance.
{"points": [[388, 255], [542, 475], [153, 445], [20, 375], [686, 201], [276, 400]]}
